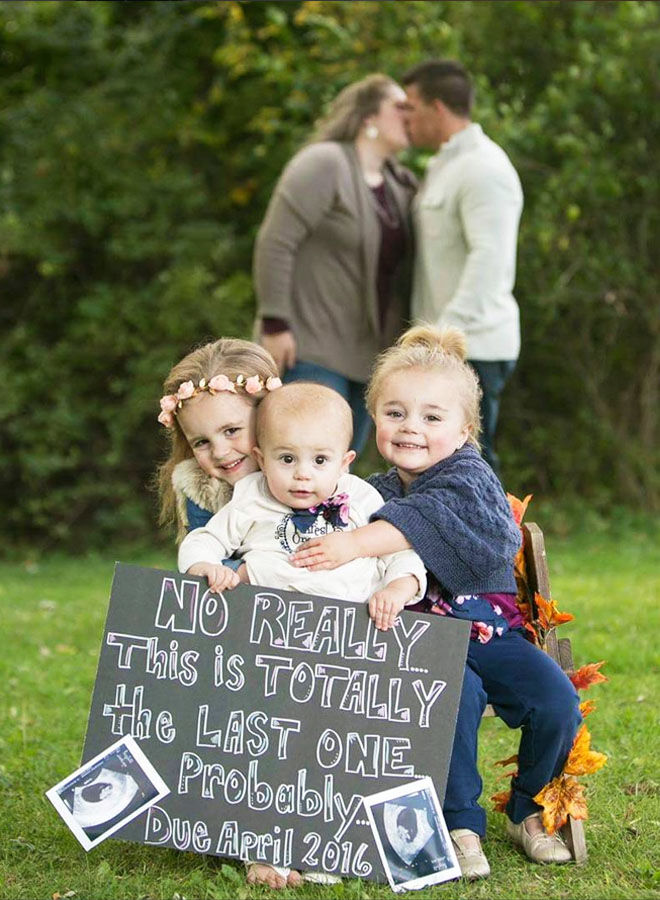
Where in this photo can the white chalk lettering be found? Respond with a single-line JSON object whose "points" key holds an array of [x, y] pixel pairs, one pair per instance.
{"points": [[285, 727], [126, 644], [406, 638], [392, 758], [236, 729], [272, 664], [165, 730], [129, 717], [328, 675], [314, 628], [427, 699], [298, 637], [183, 610], [362, 754], [275, 848], [301, 686], [267, 613], [160, 827], [370, 755], [230, 674], [355, 694]]}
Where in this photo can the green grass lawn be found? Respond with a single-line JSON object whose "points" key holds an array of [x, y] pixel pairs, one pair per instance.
{"points": [[53, 611]]}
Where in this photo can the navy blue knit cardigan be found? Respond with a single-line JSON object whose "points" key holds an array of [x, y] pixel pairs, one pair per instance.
{"points": [[456, 516]]}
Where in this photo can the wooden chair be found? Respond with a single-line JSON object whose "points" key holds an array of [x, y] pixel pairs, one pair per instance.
{"points": [[559, 649]]}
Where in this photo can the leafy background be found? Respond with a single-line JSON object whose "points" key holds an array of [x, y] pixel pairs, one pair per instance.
{"points": [[141, 144]]}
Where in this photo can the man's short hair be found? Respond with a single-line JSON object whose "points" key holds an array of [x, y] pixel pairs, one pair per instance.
{"points": [[445, 80]]}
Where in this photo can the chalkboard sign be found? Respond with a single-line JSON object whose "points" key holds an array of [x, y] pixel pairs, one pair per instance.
{"points": [[270, 714]]}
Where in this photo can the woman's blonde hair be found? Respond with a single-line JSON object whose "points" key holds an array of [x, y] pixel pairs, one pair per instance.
{"points": [[355, 103], [227, 356], [443, 350]]}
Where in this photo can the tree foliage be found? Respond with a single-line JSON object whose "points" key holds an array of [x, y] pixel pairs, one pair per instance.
{"points": [[142, 142]]}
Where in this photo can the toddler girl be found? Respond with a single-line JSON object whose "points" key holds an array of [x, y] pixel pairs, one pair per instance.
{"points": [[444, 500]]}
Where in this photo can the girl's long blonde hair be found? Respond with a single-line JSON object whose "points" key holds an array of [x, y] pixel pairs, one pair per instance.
{"points": [[442, 350], [227, 356]]}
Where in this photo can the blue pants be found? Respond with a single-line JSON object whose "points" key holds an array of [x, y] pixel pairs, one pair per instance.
{"points": [[351, 391], [528, 690], [492, 378]]}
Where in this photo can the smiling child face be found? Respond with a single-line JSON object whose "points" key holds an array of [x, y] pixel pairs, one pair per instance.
{"points": [[220, 431], [420, 420]]}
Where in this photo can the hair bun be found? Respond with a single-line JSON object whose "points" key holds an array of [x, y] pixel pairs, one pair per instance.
{"points": [[448, 340]]}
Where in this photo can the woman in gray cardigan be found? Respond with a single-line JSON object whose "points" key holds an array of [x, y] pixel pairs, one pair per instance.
{"points": [[331, 261]]}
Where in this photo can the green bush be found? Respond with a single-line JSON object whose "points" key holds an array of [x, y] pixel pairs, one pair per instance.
{"points": [[142, 144]]}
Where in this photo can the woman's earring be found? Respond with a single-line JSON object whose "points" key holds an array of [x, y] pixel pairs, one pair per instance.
{"points": [[371, 132]]}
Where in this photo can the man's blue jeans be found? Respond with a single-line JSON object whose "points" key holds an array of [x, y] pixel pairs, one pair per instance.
{"points": [[351, 391], [492, 378]]}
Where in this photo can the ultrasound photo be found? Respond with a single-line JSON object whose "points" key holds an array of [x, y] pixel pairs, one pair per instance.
{"points": [[107, 792], [411, 836]]}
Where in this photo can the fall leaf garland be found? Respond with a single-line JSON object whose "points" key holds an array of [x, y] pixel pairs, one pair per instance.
{"points": [[564, 795]]}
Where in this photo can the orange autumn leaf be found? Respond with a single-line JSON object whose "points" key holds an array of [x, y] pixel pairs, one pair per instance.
{"points": [[512, 774], [507, 761], [548, 614], [586, 707], [532, 631], [500, 801], [587, 675], [582, 760], [518, 507], [562, 798], [520, 574], [519, 564]]}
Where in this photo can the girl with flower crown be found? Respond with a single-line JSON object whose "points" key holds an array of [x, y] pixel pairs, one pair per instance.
{"points": [[212, 435], [209, 409]]}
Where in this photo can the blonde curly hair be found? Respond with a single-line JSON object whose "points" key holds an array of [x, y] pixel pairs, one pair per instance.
{"points": [[442, 350]]}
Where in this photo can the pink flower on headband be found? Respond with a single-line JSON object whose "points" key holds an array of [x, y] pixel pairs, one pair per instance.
{"points": [[166, 418], [253, 385], [187, 389], [273, 383], [221, 383], [168, 403]]}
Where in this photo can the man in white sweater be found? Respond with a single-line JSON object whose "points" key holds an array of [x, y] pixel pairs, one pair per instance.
{"points": [[466, 218]]}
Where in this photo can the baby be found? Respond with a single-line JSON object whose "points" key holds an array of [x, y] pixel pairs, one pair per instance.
{"points": [[303, 432]]}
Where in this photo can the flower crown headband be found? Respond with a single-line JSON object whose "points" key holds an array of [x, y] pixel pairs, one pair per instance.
{"points": [[187, 389]]}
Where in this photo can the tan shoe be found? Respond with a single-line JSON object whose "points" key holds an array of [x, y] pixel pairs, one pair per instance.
{"points": [[540, 848], [471, 859]]}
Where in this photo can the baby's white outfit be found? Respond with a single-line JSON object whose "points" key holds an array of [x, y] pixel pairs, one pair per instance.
{"points": [[264, 532]]}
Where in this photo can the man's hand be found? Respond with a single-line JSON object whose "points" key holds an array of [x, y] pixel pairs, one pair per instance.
{"points": [[386, 604], [220, 578], [326, 552], [282, 347]]}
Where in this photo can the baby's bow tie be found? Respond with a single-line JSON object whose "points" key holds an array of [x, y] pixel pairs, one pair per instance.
{"points": [[334, 510]]}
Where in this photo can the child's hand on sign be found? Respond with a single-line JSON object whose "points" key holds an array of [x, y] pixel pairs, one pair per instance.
{"points": [[386, 604], [220, 578]]}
